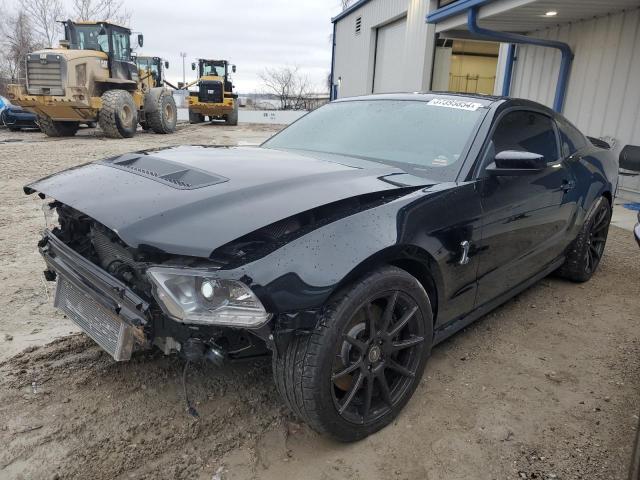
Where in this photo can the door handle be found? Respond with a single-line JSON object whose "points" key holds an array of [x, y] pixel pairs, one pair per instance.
{"points": [[568, 185]]}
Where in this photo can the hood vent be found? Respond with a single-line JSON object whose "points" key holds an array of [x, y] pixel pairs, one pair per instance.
{"points": [[164, 171]]}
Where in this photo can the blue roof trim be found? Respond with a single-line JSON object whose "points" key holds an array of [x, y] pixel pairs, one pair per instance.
{"points": [[455, 8], [349, 10]]}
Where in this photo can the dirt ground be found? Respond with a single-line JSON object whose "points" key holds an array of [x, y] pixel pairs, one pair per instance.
{"points": [[545, 387]]}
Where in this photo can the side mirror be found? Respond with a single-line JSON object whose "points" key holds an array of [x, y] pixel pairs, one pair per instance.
{"points": [[140, 39], [516, 163], [630, 158], [193, 66], [233, 68], [166, 64]]}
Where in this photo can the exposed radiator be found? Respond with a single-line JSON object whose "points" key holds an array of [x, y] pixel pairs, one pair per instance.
{"points": [[103, 326]]}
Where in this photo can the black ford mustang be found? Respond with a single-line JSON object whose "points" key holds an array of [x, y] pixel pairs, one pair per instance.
{"points": [[347, 245]]}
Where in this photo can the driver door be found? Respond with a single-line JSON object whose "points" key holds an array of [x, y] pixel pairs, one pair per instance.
{"points": [[121, 66], [525, 218]]}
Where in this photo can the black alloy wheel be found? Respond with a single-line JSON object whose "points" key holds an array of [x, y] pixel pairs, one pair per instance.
{"points": [[585, 252], [597, 239], [378, 357], [353, 374]]}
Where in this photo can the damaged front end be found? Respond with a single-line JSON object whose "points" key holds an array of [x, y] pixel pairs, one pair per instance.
{"points": [[124, 297]]}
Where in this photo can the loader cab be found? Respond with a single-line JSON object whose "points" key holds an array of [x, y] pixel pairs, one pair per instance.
{"points": [[216, 68], [111, 39], [151, 70]]}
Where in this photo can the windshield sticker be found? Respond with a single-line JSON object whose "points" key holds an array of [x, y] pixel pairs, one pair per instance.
{"points": [[459, 104]]}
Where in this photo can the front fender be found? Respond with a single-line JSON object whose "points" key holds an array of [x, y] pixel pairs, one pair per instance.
{"points": [[425, 227]]}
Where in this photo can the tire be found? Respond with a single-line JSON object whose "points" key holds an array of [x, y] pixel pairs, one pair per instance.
{"points": [[585, 252], [118, 117], [51, 128], [232, 118], [326, 377], [14, 129], [165, 118], [195, 117]]}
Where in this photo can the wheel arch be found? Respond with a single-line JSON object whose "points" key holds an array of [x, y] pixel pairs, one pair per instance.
{"points": [[413, 259]]}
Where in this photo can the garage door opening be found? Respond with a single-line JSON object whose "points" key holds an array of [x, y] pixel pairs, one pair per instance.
{"points": [[465, 66], [388, 60]]}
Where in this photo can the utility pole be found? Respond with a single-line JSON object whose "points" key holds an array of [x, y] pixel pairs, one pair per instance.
{"points": [[184, 78]]}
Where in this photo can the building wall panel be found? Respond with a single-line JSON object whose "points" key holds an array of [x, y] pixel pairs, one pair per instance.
{"points": [[355, 53], [603, 98]]}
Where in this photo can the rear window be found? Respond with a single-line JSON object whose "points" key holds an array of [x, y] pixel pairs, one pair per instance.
{"points": [[428, 136]]}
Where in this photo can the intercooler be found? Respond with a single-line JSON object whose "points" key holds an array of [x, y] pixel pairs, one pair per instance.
{"points": [[45, 74], [103, 326]]}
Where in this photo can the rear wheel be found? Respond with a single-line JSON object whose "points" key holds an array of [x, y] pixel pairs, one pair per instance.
{"points": [[52, 128], [165, 117], [119, 116], [357, 370], [195, 117], [587, 249], [232, 118]]}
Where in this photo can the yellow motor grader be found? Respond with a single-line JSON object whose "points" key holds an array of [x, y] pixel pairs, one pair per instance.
{"points": [[92, 77], [214, 97]]}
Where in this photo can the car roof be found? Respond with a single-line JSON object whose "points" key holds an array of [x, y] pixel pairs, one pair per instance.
{"points": [[484, 100]]}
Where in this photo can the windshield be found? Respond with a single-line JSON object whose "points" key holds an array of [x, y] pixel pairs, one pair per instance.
{"points": [[90, 37], [148, 64], [427, 136], [211, 68]]}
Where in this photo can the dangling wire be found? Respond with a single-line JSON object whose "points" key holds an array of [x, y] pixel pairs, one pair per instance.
{"points": [[190, 409]]}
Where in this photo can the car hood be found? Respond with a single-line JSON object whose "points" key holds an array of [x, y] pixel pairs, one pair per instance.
{"points": [[192, 200]]}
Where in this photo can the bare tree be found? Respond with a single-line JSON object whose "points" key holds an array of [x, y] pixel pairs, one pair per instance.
{"points": [[17, 40], [288, 85], [112, 10], [44, 16], [345, 4]]}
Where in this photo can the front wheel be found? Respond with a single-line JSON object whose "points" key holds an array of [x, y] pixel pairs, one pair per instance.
{"points": [[586, 250], [352, 375], [195, 117], [165, 117], [53, 128], [232, 118], [118, 117]]}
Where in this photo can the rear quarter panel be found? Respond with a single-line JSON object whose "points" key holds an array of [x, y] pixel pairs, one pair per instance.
{"points": [[596, 173]]}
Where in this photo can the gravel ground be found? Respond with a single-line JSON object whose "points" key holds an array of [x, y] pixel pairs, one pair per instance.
{"points": [[545, 387]]}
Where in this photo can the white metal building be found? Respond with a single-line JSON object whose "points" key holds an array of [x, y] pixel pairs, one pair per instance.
{"points": [[415, 45]]}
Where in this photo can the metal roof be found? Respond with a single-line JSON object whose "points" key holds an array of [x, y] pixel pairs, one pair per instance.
{"points": [[529, 15], [349, 10]]}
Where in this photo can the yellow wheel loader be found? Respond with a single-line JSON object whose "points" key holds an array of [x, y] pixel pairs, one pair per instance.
{"points": [[92, 77], [151, 72], [214, 97]]}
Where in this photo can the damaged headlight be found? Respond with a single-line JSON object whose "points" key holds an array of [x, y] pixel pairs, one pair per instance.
{"points": [[190, 296]]}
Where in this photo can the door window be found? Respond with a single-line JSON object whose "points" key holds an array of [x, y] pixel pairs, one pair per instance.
{"points": [[121, 46], [527, 132], [571, 138]]}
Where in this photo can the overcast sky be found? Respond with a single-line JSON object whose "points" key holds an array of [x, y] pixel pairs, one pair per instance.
{"points": [[253, 34]]}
